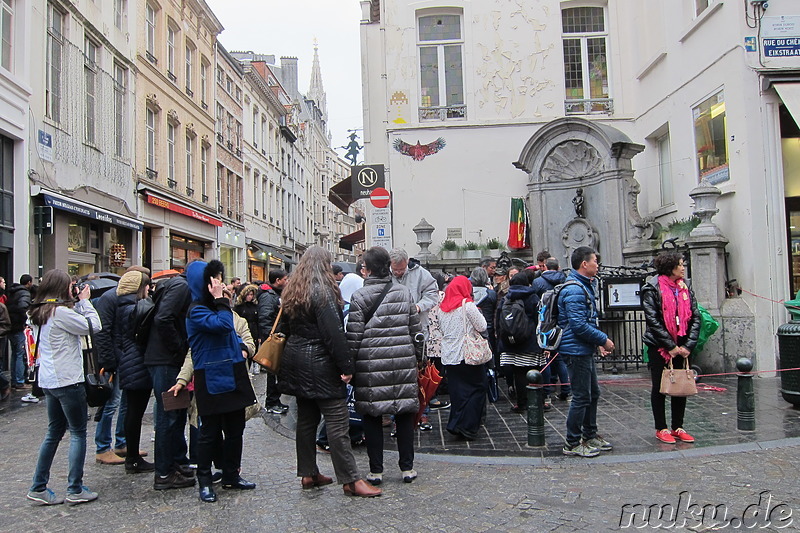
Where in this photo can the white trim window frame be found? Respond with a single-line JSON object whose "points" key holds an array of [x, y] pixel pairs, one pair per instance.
{"points": [[189, 163], [585, 40], [700, 6], [6, 33], [665, 181], [203, 82], [190, 49], [120, 7], [204, 172], [171, 55], [56, 20], [150, 126], [90, 70], [440, 63], [171, 154], [120, 94], [151, 23]]}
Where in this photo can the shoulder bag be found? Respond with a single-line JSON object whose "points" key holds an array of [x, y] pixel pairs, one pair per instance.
{"points": [[476, 347], [270, 352], [98, 385], [678, 382]]}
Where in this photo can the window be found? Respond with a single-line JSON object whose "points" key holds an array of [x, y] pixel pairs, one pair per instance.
{"points": [[265, 200], [55, 45], [585, 39], [710, 139], [700, 6], [229, 85], [665, 170], [441, 67], [171, 155], [220, 75], [120, 83], [150, 124], [119, 13], [203, 83], [255, 128], [171, 53], [189, 77], [189, 164], [220, 180], [6, 33], [204, 172], [256, 177], [90, 79], [150, 16], [6, 182]]}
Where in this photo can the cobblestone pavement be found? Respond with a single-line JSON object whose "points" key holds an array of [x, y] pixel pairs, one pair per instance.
{"points": [[512, 493]]}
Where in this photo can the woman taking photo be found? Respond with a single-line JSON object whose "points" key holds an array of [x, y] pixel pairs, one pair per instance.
{"points": [[315, 368], [673, 325], [381, 328], [467, 384], [59, 322]]}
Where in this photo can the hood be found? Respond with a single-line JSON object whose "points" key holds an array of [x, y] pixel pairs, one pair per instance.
{"points": [[194, 276], [350, 284], [516, 292], [555, 277]]}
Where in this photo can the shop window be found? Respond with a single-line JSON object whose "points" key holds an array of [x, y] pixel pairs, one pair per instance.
{"points": [[710, 139]]}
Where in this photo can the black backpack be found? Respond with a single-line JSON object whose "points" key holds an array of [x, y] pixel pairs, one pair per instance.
{"points": [[142, 320], [515, 326]]}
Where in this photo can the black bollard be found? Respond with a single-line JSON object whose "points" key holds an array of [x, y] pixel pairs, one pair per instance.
{"points": [[745, 397], [535, 409]]}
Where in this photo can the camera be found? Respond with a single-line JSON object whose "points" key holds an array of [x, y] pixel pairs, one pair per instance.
{"points": [[78, 288]]}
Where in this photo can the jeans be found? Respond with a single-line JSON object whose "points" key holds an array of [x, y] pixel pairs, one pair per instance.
{"points": [[560, 373], [220, 432], [170, 447], [19, 358], [66, 408], [582, 416], [337, 418], [102, 433], [373, 431]]}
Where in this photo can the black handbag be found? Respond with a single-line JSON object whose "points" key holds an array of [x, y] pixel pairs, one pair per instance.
{"points": [[98, 386]]}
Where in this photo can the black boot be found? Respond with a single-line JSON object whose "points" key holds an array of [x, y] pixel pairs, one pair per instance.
{"points": [[207, 493]]}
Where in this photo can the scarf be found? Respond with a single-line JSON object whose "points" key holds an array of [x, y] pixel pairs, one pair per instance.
{"points": [[455, 293], [676, 308]]}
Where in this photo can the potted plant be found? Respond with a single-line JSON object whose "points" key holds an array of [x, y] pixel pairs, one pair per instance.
{"points": [[494, 247], [449, 249], [472, 250]]}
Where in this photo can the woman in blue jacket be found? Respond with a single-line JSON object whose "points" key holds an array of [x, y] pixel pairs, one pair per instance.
{"points": [[221, 384]]}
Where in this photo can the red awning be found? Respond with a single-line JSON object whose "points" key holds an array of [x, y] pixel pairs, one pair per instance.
{"points": [[341, 194], [347, 241]]}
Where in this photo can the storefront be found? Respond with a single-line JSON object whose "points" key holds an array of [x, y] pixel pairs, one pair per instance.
{"points": [[231, 250], [176, 232], [261, 258], [87, 238]]}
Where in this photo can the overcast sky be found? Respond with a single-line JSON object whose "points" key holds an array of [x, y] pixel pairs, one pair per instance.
{"points": [[288, 28]]}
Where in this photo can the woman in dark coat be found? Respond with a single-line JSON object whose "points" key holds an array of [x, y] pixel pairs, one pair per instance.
{"points": [[381, 327], [247, 308], [673, 325], [134, 377], [221, 385], [315, 368]]}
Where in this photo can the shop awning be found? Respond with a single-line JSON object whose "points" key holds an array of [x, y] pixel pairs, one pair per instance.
{"points": [[65, 203], [256, 247], [341, 194], [348, 241], [790, 94]]}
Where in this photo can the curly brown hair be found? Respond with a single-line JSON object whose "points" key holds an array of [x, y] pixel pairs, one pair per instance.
{"points": [[666, 262], [312, 275]]}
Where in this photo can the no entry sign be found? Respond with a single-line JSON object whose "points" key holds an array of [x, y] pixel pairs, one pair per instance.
{"points": [[379, 197]]}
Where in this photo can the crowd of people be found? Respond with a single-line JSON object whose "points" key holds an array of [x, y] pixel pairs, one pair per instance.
{"points": [[356, 342]]}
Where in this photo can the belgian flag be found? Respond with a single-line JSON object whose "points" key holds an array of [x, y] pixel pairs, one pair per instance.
{"points": [[518, 226]]}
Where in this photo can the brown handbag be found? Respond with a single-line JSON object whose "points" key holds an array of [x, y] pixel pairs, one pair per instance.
{"points": [[270, 352], [678, 382]]}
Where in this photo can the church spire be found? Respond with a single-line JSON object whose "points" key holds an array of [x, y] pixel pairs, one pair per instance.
{"points": [[315, 90]]}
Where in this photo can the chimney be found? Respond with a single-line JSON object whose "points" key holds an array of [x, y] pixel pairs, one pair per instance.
{"points": [[289, 75]]}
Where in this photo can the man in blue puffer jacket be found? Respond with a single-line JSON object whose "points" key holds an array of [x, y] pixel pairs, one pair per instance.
{"points": [[577, 316]]}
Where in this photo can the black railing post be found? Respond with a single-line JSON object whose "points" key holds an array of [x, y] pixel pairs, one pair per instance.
{"points": [[535, 409], [745, 396]]}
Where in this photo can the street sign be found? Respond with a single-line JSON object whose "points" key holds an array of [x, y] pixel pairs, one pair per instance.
{"points": [[381, 230], [365, 178], [42, 220], [379, 197], [381, 215]]}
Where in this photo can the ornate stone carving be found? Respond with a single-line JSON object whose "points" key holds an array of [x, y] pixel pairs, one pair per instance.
{"points": [[572, 160], [172, 117], [152, 102], [190, 130], [578, 232], [644, 227], [205, 141]]}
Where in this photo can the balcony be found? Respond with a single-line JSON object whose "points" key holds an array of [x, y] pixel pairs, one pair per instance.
{"points": [[264, 216], [219, 209], [239, 217], [172, 77], [205, 198], [255, 212], [189, 191], [172, 183], [230, 146], [442, 112], [255, 144], [151, 58], [189, 92], [220, 138], [230, 213], [589, 106], [151, 174], [204, 105], [238, 152]]}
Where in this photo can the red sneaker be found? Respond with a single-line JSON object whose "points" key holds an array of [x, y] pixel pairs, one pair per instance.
{"points": [[664, 435], [681, 435]]}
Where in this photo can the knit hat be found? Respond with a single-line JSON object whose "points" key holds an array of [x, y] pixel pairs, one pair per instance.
{"points": [[129, 283]]}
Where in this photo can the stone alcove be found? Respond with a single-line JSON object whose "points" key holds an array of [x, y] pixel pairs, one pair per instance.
{"points": [[568, 154]]}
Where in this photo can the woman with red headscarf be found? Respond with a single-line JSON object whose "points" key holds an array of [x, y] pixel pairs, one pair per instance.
{"points": [[467, 383]]}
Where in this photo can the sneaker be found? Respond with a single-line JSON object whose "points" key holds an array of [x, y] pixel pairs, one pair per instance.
{"points": [[681, 435], [275, 410], [375, 479], [519, 409], [393, 434], [85, 495], [580, 450], [256, 370], [565, 397], [45, 497], [175, 480], [425, 424], [409, 475], [30, 398], [665, 435], [284, 407], [600, 443], [438, 404]]}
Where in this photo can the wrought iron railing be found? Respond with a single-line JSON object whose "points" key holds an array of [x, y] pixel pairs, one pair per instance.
{"points": [[443, 112], [589, 106]]}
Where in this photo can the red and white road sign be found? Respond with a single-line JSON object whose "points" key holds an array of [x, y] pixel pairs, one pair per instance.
{"points": [[379, 197]]}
